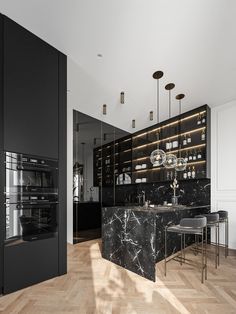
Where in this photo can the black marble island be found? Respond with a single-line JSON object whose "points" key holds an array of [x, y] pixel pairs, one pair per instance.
{"points": [[133, 236]]}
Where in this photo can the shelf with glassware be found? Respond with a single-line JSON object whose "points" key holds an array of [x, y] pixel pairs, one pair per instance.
{"points": [[113, 163], [186, 135]]}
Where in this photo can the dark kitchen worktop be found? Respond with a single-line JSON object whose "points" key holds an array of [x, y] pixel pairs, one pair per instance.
{"points": [[158, 209]]}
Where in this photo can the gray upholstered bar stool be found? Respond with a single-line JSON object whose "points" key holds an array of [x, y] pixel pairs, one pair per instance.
{"points": [[224, 220], [213, 223], [194, 226]]}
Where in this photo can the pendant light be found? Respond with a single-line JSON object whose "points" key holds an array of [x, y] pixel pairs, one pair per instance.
{"points": [[158, 156], [171, 159], [181, 162], [104, 109], [122, 97], [133, 123]]}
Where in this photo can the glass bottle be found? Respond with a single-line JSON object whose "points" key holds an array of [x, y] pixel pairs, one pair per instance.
{"points": [[185, 174], [185, 140], [190, 156], [189, 173], [199, 120], [189, 139], [199, 154], [194, 155], [203, 135], [186, 157], [203, 118], [193, 172]]}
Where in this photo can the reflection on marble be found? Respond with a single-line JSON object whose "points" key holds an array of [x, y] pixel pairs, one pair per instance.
{"points": [[133, 237]]}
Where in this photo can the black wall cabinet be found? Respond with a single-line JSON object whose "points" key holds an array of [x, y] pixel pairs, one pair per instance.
{"points": [[2, 170], [30, 93], [41, 263], [32, 121]]}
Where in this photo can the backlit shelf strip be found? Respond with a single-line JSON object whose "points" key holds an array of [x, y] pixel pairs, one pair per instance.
{"points": [[169, 138], [125, 151], [173, 151], [159, 168], [117, 143], [170, 124]]}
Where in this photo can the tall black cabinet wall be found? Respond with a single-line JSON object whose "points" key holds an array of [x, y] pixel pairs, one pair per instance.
{"points": [[33, 121], [62, 265], [2, 172], [30, 93]]}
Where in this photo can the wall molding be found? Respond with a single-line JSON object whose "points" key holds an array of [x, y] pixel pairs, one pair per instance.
{"points": [[223, 195]]}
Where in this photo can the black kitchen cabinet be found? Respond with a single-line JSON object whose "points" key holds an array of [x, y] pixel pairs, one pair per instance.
{"points": [[30, 93], [33, 82], [2, 169], [41, 263]]}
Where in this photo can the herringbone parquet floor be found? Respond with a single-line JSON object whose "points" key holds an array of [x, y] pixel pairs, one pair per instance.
{"points": [[94, 285]]}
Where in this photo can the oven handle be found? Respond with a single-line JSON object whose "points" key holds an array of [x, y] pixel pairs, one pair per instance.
{"points": [[36, 167], [34, 205]]}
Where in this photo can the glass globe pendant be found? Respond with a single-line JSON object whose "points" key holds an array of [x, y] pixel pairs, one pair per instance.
{"points": [[170, 162], [181, 164], [157, 157]]}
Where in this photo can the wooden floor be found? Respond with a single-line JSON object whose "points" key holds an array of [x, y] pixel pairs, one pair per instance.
{"points": [[94, 285]]}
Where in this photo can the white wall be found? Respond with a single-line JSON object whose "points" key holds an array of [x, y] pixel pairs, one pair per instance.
{"points": [[223, 166]]}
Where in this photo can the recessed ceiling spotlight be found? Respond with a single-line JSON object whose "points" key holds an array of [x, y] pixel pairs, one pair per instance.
{"points": [[99, 55]]}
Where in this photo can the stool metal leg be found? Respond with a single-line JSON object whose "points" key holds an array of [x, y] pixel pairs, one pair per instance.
{"points": [[216, 247], [165, 250], [206, 255], [218, 242], [202, 257], [181, 260], [184, 247], [227, 237]]}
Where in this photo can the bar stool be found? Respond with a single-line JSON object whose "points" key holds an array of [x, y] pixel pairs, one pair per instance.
{"points": [[213, 222], [224, 220], [194, 226]]}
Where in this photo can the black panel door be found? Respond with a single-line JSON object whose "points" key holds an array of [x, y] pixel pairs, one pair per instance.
{"points": [[30, 263], [30, 93], [2, 168]]}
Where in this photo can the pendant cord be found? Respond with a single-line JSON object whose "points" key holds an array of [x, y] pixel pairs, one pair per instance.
{"points": [[158, 103], [158, 111], [169, 104], [169, 111], [180, 110]]}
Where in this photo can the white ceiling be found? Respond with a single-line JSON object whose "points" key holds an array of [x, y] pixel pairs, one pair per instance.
{"points": [[192, 41]]}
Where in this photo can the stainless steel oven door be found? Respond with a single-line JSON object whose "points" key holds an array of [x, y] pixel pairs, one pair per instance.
{"points": [[29, 222], [25, 176]]}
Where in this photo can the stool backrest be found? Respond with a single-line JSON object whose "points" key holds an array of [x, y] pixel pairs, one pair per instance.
{"points": [[212, 217], [223, 214], [199, 222]]}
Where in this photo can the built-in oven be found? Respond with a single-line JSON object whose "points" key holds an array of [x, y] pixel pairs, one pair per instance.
{"points": [[30, 222], [31, 198], [26, 174]]}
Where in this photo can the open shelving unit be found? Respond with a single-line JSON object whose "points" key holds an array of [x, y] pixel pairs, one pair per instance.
{"points": [[187, 135], [113, 160]]}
